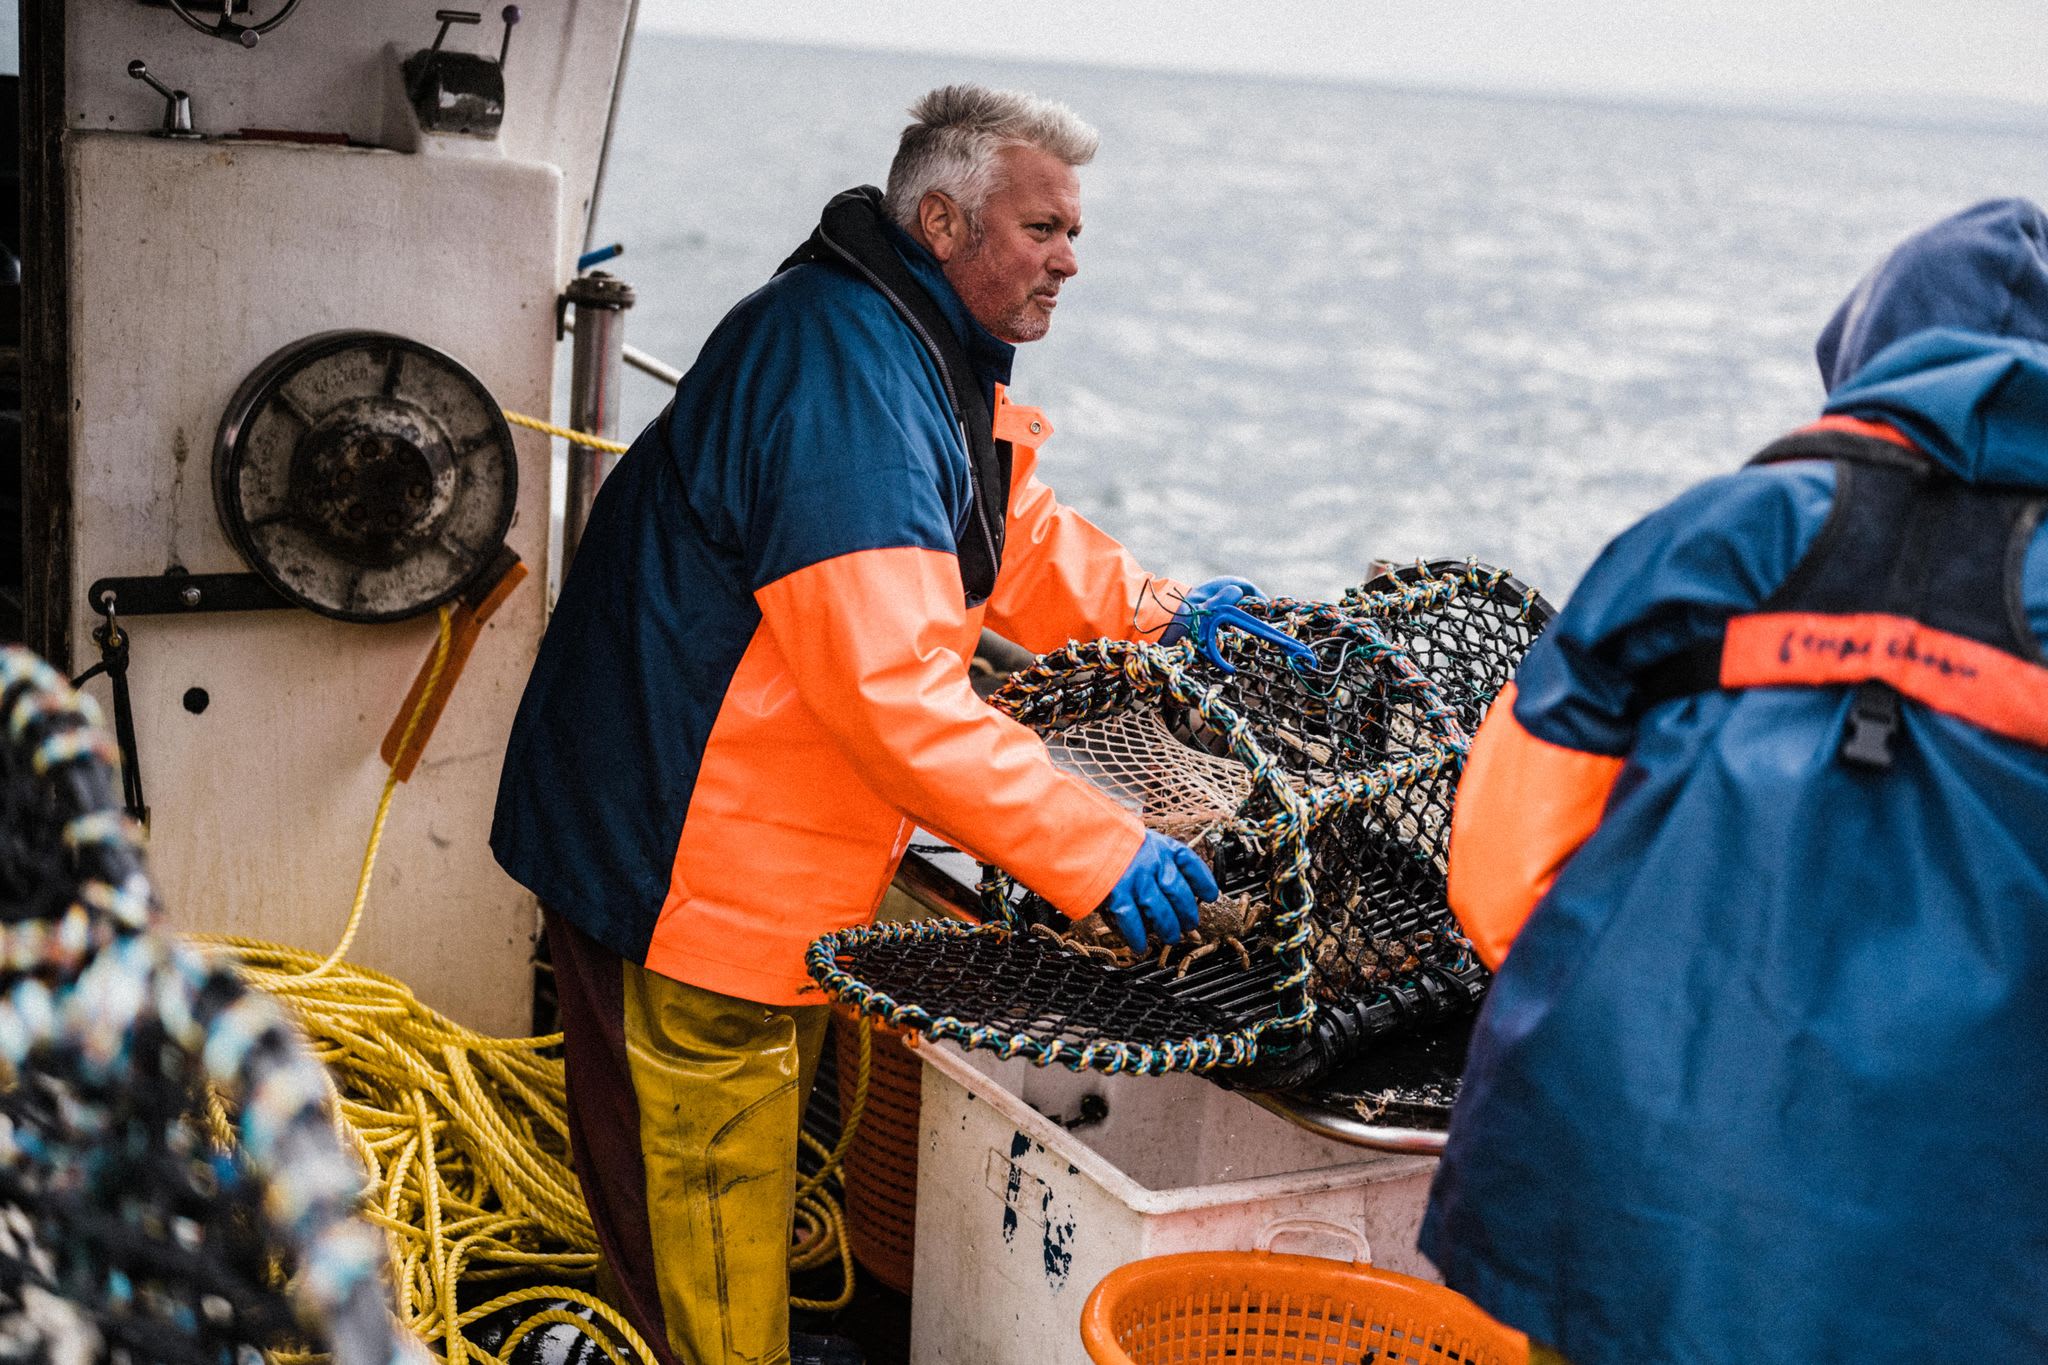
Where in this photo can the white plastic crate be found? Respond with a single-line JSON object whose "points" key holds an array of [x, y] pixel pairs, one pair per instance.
{"points": [[1019, 1217]]}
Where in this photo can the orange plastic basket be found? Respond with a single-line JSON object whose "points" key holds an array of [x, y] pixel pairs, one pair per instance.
{"points": [[881, 1165], [1240, 1306]]}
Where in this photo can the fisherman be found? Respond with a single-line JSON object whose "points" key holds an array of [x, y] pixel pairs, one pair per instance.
{"points": [[755, 685], [1764, 1076]]}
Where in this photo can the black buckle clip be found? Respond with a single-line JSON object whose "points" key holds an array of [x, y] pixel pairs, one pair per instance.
{"points": [[1873, 723]]}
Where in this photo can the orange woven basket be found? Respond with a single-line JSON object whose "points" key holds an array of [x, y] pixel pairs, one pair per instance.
{"points": [[881, 1165], [1242, 1306]]}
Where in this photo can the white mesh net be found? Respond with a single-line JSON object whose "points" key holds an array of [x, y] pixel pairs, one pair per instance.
{"points": [[1132, 756]]}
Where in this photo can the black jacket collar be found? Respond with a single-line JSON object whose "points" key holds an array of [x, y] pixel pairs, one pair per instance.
{"points": [[854, 234]]}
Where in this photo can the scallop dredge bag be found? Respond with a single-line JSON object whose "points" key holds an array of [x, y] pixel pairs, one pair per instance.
{"points": [[1321, 796]]}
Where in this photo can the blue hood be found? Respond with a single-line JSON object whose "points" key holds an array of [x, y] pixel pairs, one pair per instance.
{"points": [[1948, 340]]}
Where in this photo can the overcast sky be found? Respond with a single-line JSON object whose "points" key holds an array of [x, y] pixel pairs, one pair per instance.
{"points": [[1775, 50]]}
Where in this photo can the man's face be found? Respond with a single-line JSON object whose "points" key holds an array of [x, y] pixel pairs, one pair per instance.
{"points": [[1010, 277]]}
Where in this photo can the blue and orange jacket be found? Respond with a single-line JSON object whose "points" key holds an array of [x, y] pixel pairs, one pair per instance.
{"points": [[755, 680], [1764, 1070]]}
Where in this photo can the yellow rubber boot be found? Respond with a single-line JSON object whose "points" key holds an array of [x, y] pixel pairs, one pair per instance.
{"points": [[721, 1084]]}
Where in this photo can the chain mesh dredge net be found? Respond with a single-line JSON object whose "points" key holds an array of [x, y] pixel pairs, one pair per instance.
{"points": [[1321, 797], [172, 1186]]}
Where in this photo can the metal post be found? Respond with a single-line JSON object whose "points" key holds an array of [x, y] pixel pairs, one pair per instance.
{"points": [[597, 367]]}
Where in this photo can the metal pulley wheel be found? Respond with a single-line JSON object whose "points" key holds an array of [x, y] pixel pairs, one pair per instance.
{"points": [[364, 476], [227, 27]]}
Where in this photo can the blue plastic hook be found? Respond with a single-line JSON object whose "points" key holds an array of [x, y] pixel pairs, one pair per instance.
{"points": [[1207, 623]]}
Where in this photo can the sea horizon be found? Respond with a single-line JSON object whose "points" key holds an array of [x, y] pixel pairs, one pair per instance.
{"points": [[1322, 322]]}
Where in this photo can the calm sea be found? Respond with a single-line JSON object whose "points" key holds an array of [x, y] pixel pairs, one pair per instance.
{"points": [[1316, 323]]}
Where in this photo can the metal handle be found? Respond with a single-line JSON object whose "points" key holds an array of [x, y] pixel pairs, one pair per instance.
{"points": [[510, 14], [177, 104], [1343, 1232], [449, 18]]}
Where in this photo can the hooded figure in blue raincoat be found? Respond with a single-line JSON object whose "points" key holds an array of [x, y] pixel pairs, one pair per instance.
{"points": [[1764, 1077]]}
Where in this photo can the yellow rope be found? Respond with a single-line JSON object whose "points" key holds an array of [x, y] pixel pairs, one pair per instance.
{"points": [[465, 1136], [569, 434], [412, 724], [461, 1136], [821, 1224]]}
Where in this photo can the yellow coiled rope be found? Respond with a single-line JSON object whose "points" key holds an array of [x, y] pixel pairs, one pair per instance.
{"points": [[465, 1138]]}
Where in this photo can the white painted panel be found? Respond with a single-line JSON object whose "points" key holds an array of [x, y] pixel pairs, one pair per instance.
{"points": [[1019, 1218], [191, 263], [326, 70]]}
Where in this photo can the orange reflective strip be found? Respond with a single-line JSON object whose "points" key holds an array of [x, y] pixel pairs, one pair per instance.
{"points": [[1856, 426], [1524, 806], [1959, 677]]}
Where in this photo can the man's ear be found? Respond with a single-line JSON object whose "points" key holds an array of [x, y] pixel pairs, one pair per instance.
{"points": [[944, 226]]}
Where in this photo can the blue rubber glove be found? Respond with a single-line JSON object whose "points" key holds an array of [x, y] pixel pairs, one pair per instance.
{"points": [[1209, 607], [1161, 891], [1198, 611], [1217, 593]]}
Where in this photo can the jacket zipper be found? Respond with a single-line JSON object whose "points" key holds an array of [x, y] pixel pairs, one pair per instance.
{"points": [[945, 378]]}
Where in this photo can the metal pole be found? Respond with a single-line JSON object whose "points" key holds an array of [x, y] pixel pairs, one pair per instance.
{"points": [[611, 123], [651, 365], [596, 370]]}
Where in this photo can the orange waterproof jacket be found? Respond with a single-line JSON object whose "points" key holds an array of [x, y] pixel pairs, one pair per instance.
{"points": [[850, 719], [755, 683]]}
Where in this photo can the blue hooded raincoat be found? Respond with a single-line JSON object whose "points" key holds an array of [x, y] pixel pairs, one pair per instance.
{"points": [[1765, 1076]]}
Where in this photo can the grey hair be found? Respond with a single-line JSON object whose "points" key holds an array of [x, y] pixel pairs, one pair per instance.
{"points": [[951, 147]]}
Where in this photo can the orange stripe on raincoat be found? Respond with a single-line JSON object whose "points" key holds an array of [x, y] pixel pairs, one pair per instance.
{"points": [[850, 720], [1524, 807], [1960, 677]]}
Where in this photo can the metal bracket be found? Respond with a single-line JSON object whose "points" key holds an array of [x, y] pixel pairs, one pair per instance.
{"points": [[182, 594]]}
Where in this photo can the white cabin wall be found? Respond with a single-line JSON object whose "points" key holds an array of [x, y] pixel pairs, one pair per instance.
{"points": [[190, 263], [326, 70]]}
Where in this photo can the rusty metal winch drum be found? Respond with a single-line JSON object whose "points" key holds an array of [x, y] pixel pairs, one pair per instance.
{"points": [[365, 476]]}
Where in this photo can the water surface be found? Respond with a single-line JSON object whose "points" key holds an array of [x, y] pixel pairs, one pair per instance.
{"points": [[1319, 323]]}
